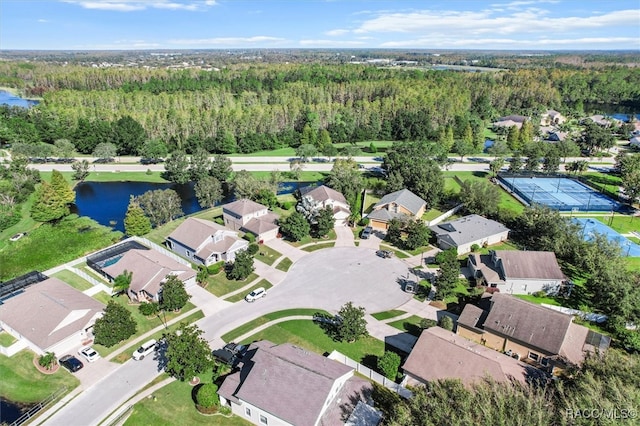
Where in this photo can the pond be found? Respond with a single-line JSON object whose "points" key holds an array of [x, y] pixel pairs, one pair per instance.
{"points": [[107, 202], [12, 100], [10, 412]]}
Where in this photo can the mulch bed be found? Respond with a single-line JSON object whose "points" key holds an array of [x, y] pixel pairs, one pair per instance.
{"points": [[43, 370]]}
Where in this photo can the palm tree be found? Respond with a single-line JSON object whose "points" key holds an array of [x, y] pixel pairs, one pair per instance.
{"points": [[121, 282]]}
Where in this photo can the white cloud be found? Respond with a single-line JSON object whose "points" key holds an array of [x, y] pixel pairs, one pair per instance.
{"points": [[227, 41], [468, 24], [43, 20], [336, 32], [511, 43], [134, 5]]}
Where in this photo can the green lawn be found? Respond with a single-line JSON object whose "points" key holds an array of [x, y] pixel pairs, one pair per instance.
{"points": [[173, 405], [370, 201], [411, 325], [6, 339], [126, 177], [620, 223], [284, 264], [219, 285], [247, 327], [160, 234], [506, 245], [538, 300], [267, 255], [262, 283], [51, 245], [126, 354], [381, 316], [431, 214], [309, 239], [308, 335], [319, 246], [633, 263], [399, 254], [22, 382], [73, 280], [144, 324], [102, 297]]}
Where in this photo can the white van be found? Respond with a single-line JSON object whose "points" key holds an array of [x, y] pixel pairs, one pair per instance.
{"points": [[144, 350], [256, 294]]}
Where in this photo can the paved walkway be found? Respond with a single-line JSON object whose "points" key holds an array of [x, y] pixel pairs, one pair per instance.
{"points": [[286, 249]]}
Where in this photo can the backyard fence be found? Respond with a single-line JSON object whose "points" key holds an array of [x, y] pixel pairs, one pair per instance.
{"points": [[589, 316], [370, 374], [445, 215], [39, 406], [162, 250]]}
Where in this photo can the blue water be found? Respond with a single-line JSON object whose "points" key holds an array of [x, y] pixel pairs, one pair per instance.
{"points": [[592, 226], [107, 202], [11, 100]]}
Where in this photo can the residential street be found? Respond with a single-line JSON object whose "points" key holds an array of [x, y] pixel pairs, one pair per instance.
{"points": [[323, 279]]}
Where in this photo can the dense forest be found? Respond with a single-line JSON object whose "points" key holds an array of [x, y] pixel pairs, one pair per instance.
{"points": [[266, 106]]}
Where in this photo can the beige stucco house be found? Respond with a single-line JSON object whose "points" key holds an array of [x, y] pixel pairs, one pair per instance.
{"points": [[402, 204], [317, 198]]}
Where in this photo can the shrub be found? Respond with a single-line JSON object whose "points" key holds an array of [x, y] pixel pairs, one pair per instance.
{"points": [[540, 293], [287, 205], [215, 268], [47, 360], [388, 364], [219, 220], [364, 221], [148, 309], [446, 322], [249, 237], [207, 396], [475, 248], [253, 249], [372, 148], [427, 323]]}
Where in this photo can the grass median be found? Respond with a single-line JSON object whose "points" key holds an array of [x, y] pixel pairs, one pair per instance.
{"points": [[246, 328]]}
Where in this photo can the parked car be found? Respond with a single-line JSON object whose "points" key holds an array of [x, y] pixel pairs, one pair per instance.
{"points": [[366, 233], [71, 363], [327, 319], [89, 353], [17, 236], [144, 350], [231, 354], [256, 294], [385, 254]]}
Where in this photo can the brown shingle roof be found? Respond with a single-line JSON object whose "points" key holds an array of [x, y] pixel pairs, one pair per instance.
{"points": [[530, 264], [149, 268], [531, 324], [193, 232], [472, 316], [243, 207], [324, 193], [259, 226], [49, 312], [286, 381], [440, 354]]}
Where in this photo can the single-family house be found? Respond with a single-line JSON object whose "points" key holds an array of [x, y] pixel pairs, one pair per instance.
{"points": [[510, 121], [205, 242], [248, 216], [50, 316], [552, 118], [467, 231], [440, 354], [556, 136], [402, 204], [288, 385], [149, 270], [314, 199], [539, 335], [603, 121], [517, 272]]}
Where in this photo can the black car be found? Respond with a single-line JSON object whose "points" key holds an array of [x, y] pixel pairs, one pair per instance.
{"points": [[71, 363], [385, 254], [230, 354], [366, 233]]}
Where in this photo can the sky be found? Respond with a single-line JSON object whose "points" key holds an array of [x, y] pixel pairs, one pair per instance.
{"points": [[337, 24]]}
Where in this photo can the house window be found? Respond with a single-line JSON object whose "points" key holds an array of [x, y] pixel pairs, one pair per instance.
{"points": [[533, 356], [263, 420], [247, 411], [545, 362]]}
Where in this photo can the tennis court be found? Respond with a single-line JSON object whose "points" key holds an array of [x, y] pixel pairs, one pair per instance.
{"points": [[590, 227], [561, 194]]}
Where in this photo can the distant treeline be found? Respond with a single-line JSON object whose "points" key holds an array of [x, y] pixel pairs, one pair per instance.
{"points": [[269, 106]]}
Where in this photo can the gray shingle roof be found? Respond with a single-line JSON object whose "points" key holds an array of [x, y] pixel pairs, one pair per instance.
{"points": [[405, 198], [284, 380], [528, 323], [49, 312], [440, 354], [541, 265], [243, 207], [193, 232], [467, 229], [323, 193]]}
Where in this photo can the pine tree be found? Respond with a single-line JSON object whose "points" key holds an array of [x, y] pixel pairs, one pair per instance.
{"points": [[48, 206], [62, 188], [136, 222]]}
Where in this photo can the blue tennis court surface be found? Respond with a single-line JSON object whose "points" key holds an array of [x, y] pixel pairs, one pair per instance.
{"points": [[561, 194], [593, 226]]}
